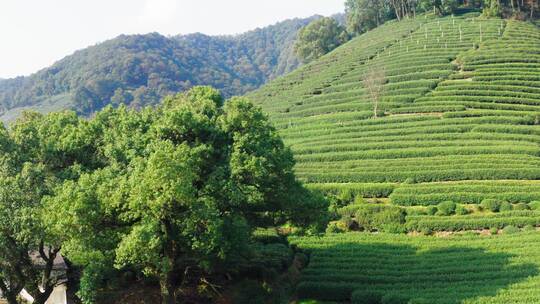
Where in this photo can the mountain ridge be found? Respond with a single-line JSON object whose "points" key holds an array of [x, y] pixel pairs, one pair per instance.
{"points": [[140, 69]]}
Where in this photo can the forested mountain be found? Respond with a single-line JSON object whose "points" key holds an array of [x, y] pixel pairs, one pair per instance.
{"points": [[140, 69]]}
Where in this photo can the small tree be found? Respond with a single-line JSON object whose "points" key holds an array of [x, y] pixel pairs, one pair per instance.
{"points": [[374, 81]]}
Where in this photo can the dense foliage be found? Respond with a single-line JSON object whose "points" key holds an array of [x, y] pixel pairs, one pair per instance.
{"points": [[318, 38], [38, 154], [139, 70], [172, 192], [364, 15]]}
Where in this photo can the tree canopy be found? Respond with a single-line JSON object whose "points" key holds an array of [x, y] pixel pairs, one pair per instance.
{"points": [[39, 153], [318, 38], [172, 192], [364, 15]]}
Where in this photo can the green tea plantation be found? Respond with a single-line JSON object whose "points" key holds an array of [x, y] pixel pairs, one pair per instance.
{"points": [[439, 119]]}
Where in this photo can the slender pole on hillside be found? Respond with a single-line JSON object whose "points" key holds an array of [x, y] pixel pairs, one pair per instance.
{"points": [[480, 32], [374, 81]]}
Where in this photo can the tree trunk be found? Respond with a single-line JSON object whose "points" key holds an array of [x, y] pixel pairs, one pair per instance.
{"points": [[167, 281], [10, 293], [48, 279], [168, 295], [396, 9], [11, 298], [42, 297]]}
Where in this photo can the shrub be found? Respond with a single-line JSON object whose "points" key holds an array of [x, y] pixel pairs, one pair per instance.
{"points": [[478, 208], [416, 211], [390, 215], [461, 210], [493, 230], [359, 200], [521, 206], [510, 229], [431, 210], [394, 228], [505, 206], [333, 227], [426, 231], [347, 224], [409, 180], [346, 197], [348, 211], [373, 217], [534, 205], [365, 297], [446, 208], [529, 228], [491, 204]]}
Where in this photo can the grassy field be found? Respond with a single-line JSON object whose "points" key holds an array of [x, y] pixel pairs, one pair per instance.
{"points": [[422, 269]]}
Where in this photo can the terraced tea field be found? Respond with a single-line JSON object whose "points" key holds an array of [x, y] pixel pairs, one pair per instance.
{"points": [[401, 269], [459, 118], [458, 122]]}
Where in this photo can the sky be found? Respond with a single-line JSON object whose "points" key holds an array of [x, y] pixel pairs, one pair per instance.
{"points": [[36, 33]]}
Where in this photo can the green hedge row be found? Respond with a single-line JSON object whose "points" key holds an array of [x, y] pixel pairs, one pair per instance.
{"points": [[420, 174], [369, 190], [473, 222]]}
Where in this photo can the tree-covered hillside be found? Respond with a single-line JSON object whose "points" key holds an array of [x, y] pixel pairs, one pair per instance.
{"points": [[140, 69]]}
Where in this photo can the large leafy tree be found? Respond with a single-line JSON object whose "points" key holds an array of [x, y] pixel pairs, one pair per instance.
{"points": [[39, 153], [182, 188], [319, 38]]}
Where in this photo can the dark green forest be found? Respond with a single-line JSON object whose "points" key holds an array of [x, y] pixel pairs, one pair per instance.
{"points": [[139, 70]]}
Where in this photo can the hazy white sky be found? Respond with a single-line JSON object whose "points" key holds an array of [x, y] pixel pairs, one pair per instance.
{"points": [[36, 33]]}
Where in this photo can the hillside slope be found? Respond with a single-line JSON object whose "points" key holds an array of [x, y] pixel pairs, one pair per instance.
{"points": [[460, 113], [141, 69]]}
